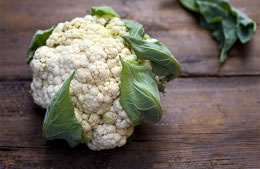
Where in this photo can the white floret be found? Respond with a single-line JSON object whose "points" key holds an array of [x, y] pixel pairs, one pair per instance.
{"points": [[110, 117], [90, 48], [106, 137]]}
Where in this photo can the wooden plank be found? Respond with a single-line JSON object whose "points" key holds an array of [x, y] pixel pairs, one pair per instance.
{"points": [[164, 19], [207, 123], [30, 15]]}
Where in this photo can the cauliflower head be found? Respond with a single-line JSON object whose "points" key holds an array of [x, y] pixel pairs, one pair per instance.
{"points": [[101, 51], [92, 50]]}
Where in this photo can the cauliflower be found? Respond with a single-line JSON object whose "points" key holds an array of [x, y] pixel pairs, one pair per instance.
{"points": [[86, 45], [93, 47]]}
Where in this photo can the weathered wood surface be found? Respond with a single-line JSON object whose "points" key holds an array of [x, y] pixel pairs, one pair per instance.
{"points": [[163, 19], [208, 122]]}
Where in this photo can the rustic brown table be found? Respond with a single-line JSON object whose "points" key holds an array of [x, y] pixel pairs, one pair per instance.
{"points": [[211, 114]]}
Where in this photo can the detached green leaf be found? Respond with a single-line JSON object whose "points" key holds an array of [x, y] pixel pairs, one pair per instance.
{"points": [[104, 11], [246, 27], [134, 28], [139, 94], [163, 62], [39, 39], [60, 121], [226, 23], [190, 4]]}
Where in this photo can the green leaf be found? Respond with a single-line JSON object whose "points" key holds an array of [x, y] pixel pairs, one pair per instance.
{"points": [[134, 28], [146, 37], [190, 4], [60, 121], [226, 23], [163, 62], [139, 95], [39, 39], [104, 11], [246, 26]]}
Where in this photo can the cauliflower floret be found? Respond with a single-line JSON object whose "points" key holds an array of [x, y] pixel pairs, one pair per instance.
{"points": [[92, 50], [109, 117], [106, 136]]}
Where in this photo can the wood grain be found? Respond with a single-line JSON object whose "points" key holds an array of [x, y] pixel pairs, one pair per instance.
{"points": [[164, 19], [207, 123]]}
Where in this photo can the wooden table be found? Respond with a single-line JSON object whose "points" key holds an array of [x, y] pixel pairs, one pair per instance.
{"points": [[211, 114]]}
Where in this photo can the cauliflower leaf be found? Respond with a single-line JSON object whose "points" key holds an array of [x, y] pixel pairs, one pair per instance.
{"points": [[104, 11], [139, 93], [134, 28], [39, 39], [163, 62], [227, 24], [60, 121]]}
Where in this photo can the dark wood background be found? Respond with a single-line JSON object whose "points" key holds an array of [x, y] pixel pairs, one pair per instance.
{"points": [[211, 114]]}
